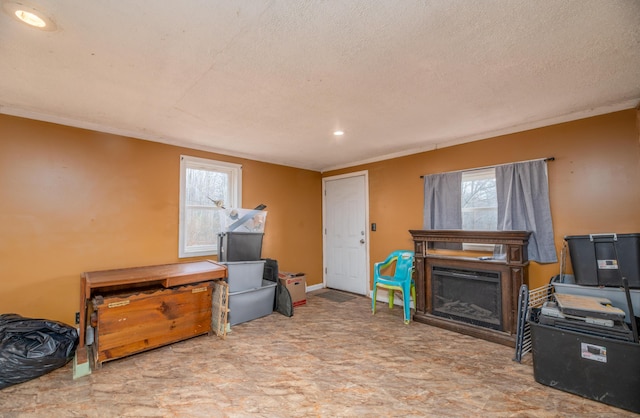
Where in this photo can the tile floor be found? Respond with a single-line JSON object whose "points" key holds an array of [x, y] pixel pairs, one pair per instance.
{"points": [[331, 359]]}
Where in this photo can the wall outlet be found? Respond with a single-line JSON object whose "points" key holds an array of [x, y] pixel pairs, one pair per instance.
{"points": [[77, 318]]}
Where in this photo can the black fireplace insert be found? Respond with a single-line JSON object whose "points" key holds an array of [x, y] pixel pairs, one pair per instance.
{"points": [[470, 296]]}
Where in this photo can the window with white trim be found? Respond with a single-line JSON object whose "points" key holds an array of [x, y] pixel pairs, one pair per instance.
{"points": [[479, 200], [206, 188]]}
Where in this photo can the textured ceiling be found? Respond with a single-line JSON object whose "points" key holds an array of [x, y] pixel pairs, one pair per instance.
{"points": [[271, 80]]}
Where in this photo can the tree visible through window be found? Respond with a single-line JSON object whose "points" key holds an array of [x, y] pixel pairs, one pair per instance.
{"points": [[206, 187], [469, 200], [479, 200]]}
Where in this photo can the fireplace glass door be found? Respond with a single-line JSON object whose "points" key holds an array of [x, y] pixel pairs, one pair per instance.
{"points": [[470, 296]]}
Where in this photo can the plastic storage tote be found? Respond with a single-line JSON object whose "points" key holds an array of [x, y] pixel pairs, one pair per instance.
{"points": [[244, 275], [251, 304], [604, 259], [594, 367], [240, 246]]}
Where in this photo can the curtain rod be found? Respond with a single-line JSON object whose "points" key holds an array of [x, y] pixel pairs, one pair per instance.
{"points": [[498, 165]]}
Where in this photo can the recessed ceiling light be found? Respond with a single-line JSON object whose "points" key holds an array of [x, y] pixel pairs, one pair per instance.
{"points": [[30, 18], [29, 15], [338, 133]]}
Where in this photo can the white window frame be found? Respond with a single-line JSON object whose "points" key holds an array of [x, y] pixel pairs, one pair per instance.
{"points": [[471, 175], [235, 198]]}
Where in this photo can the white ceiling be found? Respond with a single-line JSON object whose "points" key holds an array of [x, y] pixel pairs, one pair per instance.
{"points": [[271, 80]]}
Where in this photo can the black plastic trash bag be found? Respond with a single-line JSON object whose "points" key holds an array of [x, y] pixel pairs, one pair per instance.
{"points": [[32, 347]]}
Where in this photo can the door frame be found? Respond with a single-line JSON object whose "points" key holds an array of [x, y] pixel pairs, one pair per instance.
{"points": [[365, 174]]}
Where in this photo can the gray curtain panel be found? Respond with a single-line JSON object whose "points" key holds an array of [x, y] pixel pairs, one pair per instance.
{"points": [[443, 201], [523, 204]]}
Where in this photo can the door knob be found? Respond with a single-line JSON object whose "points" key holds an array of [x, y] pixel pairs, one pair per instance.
{"points": [[362, 241]]}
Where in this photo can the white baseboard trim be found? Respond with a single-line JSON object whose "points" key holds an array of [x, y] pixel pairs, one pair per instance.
{"points": [[315, 287], [383, 295]]}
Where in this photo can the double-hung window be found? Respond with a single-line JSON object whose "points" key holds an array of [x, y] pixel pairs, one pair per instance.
{"points": [[479, 204], [206, 187], [479, 200], [506, 197]]}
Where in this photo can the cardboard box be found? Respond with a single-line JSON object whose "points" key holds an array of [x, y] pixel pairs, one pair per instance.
{"points": [[296, 284]]}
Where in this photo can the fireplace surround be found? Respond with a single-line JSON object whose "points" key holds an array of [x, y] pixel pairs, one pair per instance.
{"points": [[472, 294]]}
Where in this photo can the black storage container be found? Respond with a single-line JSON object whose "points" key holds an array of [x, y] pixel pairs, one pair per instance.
{"points": [[603, 259], [594, 367], [270, 270], [240, 246]]}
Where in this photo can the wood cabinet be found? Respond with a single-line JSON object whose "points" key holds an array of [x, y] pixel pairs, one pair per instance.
{"points": [[128, 323], [134, 309]]}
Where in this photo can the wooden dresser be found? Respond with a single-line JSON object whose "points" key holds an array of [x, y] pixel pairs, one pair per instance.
{"points": [[135, 309]]}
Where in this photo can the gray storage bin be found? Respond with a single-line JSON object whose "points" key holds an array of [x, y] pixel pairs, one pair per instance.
{"points": [[244, 275], [250, 304]]}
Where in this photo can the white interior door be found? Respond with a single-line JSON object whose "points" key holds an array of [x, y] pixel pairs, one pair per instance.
{"points": [[345, 233]]}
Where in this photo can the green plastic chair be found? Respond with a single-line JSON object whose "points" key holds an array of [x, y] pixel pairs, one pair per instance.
{"points": [[401, 280]]}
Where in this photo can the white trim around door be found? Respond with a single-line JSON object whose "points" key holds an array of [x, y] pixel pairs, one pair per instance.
{"points": [[359, 232]]}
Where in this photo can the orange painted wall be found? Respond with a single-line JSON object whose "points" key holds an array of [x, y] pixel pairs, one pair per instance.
{"points": [[73, 200], [594, 181]]}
